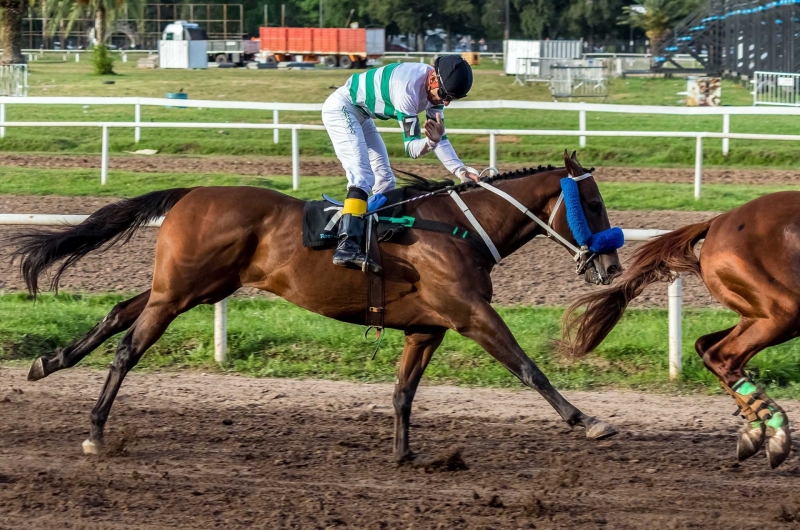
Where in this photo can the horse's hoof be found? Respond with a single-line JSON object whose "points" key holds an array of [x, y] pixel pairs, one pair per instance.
{"points": [[91, 448], [599, 430], [750, 442], [779, 446], [37, 370]]}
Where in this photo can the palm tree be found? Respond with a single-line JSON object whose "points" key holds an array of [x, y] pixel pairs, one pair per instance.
{"points": [[13, 12], [657, 17], [106, 13]]}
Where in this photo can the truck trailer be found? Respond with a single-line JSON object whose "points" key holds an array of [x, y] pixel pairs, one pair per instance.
{"points": [[342, 47]]}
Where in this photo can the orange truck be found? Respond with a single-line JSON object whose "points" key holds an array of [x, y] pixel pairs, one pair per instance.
{"points": [[345, 48]]}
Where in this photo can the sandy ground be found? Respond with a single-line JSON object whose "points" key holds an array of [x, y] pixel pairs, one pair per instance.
{"points": [[331, 167], [541, 273], [199, 451]]}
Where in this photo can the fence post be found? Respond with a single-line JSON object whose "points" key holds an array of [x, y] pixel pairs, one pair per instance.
{"points": [[275, 132], [726, 129], [582, 126], [77, 57], [2, 119], [698, 166], [221, 331], [104, 158], [675, 332], [492, 150], [295, 160], [137, 117]]}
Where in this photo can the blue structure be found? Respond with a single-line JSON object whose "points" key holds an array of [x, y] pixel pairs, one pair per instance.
{"points": [[736, 38]]}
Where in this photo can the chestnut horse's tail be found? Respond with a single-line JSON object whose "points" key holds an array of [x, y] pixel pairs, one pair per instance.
{"points": [[39, 249], [656, 260]]}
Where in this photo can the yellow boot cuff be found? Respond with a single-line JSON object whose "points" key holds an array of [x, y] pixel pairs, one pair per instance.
{"points": [[354, 207]]}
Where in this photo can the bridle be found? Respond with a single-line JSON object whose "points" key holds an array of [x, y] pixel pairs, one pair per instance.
{"points": [[584, 258]]}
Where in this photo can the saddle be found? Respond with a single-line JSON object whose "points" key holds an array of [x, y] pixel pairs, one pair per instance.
{"points": [[320, 231]]}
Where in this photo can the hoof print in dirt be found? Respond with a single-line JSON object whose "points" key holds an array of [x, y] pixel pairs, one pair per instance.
{"points": [[449, 460]]}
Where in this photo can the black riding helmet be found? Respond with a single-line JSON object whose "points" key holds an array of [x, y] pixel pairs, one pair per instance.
{"points": [[455, 76]]}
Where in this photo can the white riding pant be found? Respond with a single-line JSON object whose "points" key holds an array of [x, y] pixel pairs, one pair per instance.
{"points": [[358, 145]]}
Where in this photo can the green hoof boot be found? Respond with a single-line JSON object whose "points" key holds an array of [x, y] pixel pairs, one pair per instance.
{"points": [[750, 441]]}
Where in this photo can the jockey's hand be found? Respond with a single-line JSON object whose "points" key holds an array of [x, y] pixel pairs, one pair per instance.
{"points": [[463, 174], [434, 130]]}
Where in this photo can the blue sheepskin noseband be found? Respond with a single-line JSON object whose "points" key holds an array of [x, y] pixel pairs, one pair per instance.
{"points": [[599, 243]]}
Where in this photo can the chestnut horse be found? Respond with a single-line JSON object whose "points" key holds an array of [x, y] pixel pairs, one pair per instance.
{"points": [[749, 263], [215, 240]]}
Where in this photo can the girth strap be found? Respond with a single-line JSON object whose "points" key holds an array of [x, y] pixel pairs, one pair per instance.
{"points": [[476, 225]]}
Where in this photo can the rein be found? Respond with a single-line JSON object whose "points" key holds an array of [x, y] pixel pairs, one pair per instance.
{"points": [[584, 256]]}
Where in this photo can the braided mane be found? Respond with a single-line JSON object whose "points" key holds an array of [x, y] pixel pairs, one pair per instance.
{"points": [[417, 182]]}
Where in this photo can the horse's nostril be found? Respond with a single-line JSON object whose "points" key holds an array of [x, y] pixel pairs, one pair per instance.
{"points": [[614, 269]]}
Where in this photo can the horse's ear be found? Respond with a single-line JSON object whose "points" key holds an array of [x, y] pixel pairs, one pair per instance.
{"points": [[573, 168], [575, 157]]}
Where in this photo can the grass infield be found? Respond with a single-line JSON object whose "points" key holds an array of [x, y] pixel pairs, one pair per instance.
{"points": [[275, 339]]}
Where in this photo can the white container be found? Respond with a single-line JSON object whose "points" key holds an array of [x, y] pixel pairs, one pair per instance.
{"points": [[376, 42], [521, 56], [516, 54], [183, 54]]}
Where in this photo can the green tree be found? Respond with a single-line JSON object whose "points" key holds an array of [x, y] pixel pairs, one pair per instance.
{"points": [[106, 13], [409, 16], [657, 17], [11, 15]]}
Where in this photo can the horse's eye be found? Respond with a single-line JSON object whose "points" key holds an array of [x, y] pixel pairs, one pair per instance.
{"points": [[595, 206]]}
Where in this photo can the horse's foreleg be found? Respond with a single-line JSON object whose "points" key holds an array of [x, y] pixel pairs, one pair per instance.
{"points": [[417, 354], [119, 319], [147, 329], [726, 357], [483, 325]]}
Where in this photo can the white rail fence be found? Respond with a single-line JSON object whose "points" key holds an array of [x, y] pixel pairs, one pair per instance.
{"points": [[220, 308], [581, 108]]}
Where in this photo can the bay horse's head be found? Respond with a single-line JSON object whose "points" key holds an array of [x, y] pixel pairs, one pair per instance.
{"points": [[583, 221]]}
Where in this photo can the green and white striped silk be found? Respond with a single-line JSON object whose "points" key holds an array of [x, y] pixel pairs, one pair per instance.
{"points": [[370, 92]]}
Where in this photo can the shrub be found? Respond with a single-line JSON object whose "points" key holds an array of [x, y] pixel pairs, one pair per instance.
{"points": [[103, 62]]}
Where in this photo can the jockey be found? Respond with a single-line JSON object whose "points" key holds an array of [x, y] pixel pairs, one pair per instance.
{"points": [[399, 91]]}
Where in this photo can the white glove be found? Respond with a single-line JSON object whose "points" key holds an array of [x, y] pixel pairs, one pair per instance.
{"points": [[464, 173]]}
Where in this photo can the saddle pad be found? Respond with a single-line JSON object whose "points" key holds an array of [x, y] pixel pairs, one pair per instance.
{"points": [[321, 220], [320, 229]]}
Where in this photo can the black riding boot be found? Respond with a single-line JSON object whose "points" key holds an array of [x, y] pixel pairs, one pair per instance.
{"points": [[349, 251]]}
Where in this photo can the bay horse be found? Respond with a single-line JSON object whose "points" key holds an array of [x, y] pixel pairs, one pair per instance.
{"points": [[750, 262], [215, 240]]}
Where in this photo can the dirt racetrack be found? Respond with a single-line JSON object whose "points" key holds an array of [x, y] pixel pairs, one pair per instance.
{"points": [[199, 451]]}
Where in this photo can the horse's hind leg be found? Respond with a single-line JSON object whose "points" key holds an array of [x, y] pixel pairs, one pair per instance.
{"points": [[417, 354], [727, 358], [119, 319], [752, 437], [147, 329]]}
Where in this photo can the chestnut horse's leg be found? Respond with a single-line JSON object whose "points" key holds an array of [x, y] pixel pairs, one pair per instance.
{"points": [[119, 319], [417, 354], [726, 358], [147, 329], [483, 325], [752, 437]]}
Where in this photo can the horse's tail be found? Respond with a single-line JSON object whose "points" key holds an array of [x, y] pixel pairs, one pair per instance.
{"points": [[656, 260], [39, 249]]}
